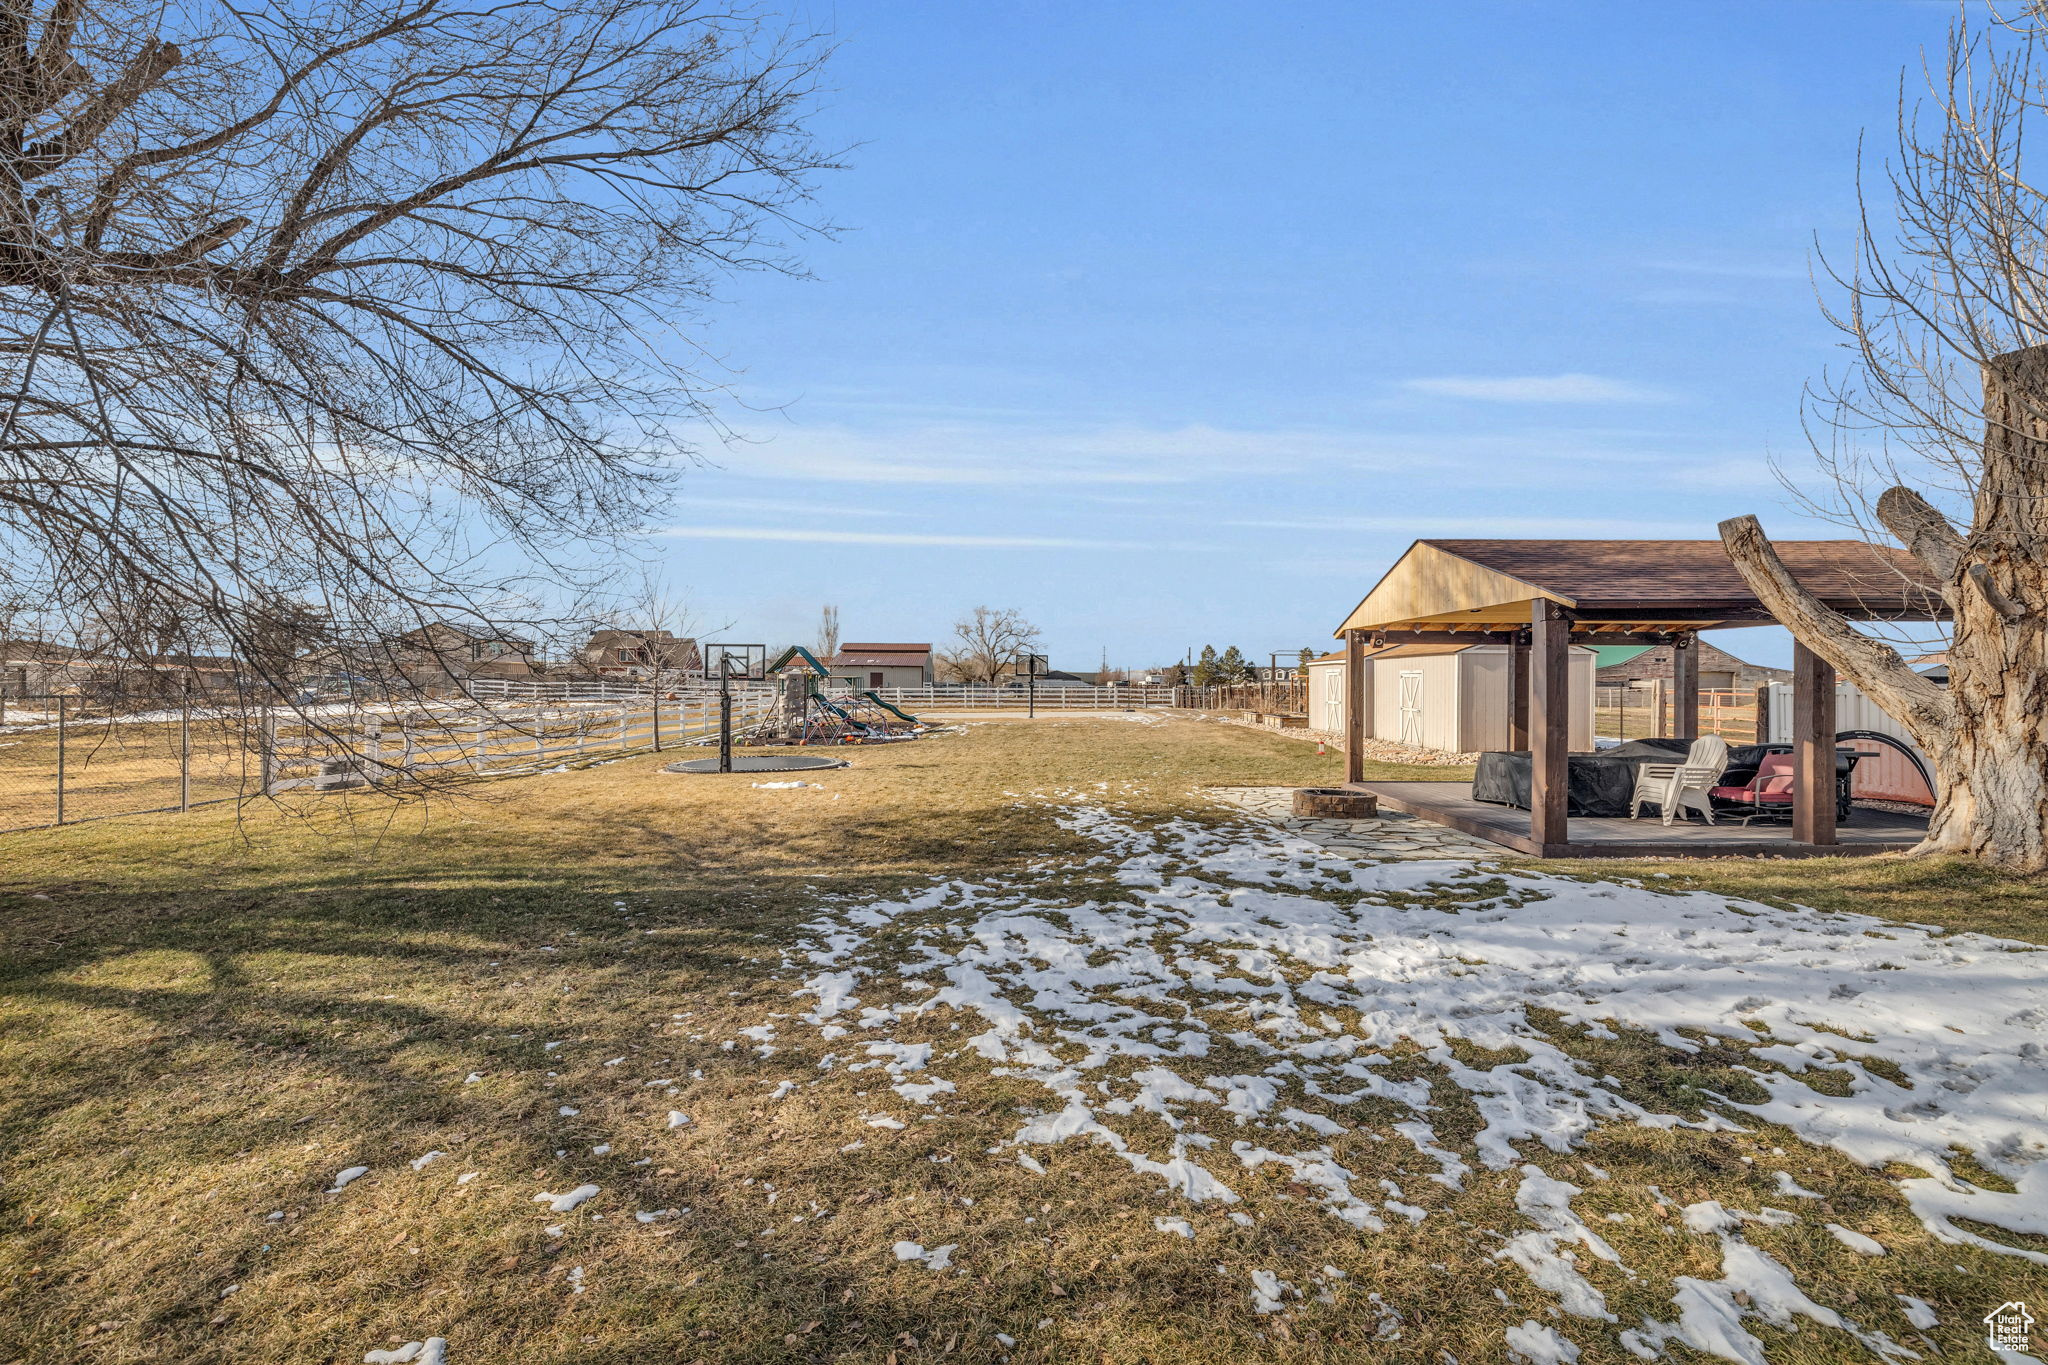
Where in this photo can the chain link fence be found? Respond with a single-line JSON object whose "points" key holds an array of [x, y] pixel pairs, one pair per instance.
{"points": [[69, 759]]}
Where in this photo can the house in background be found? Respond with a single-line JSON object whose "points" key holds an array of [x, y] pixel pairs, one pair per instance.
{"points": [[31, 668], [433, 655], [1933, 667], [1720, 671], [884, 665], [1448, 697], [616, 653], [1053, 678]]}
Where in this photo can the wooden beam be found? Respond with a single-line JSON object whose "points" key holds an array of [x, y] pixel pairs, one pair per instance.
{"points": [[1685, 686], [1354, 706], [1518, 694], [1550, 710], [1813, 747]]}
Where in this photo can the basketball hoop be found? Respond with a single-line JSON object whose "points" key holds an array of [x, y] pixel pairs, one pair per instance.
{"points": [[749, 663]]}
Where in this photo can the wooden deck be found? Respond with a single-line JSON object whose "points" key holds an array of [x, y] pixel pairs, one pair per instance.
{"points": [[1451, 803]]}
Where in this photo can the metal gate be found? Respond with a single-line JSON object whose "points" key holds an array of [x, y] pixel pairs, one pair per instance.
{"points": [[1411, 707]]}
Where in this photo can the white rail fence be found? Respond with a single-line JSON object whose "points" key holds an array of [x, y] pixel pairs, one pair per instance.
{"points": [[1045, 698], [357, 748]]}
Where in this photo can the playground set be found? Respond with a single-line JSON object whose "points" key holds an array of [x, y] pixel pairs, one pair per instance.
{"points": [[803, 713], [846, 715]]}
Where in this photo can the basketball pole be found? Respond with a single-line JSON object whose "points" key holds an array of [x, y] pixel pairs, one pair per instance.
{"points": [[725, 714]]}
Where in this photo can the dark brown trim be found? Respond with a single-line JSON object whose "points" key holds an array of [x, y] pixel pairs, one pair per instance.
{"points": [[1518, 694], [1685, 687], [1813, 747], [1354, 706], [1550, 709]]}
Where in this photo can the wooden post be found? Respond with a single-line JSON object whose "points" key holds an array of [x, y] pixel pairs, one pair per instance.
{"points": [[1518, 692], [1550, 710], [1685, 687], [1763, 713], [1813, 747], [1354, 706]]}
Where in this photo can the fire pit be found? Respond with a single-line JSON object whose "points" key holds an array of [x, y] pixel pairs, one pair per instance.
{"points": [[1335, 803]]}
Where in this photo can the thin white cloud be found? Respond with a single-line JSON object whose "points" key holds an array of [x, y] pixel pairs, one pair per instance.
{"points": [[1772, 267], [807, 536], [1555, 388], [778, 506], [1044, 455]]}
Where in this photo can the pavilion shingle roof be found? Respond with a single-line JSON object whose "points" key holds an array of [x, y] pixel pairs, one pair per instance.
{"points": [[1691, 572]]}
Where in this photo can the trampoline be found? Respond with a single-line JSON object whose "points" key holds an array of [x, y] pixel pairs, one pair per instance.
{"points": [[759, 763]]}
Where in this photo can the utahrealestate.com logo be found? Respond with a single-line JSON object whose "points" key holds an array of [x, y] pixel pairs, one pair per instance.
{"points": [[2008, 1327]]}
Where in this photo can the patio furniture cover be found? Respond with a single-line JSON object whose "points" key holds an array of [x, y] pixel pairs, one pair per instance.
{"points": [[1602, 783]]}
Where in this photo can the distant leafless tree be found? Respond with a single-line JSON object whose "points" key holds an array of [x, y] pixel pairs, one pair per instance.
{"points": [[354, 304], [828, 632], [986, 645], [1937, 436]]}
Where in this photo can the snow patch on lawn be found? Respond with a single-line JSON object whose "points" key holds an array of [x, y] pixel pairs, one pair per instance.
{"points": [[1326, 971], [432, 1351]]}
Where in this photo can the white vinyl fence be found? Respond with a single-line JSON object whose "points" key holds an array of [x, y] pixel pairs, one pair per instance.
{"points": [[1884, 772], [353, 748], [1047, 698]]}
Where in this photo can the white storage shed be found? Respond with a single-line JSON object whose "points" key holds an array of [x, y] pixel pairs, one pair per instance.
{"points": [[1448, 697]]}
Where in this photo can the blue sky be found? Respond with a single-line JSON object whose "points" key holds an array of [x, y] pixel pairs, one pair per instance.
{"points": [[1174, 324]]}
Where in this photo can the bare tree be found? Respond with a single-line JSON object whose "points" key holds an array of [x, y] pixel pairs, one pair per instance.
{"points": [[667, 623], [986, 645], [353, 304], [828, 632], [1938, 435]]}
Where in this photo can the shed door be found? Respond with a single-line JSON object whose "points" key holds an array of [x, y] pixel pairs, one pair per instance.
{"points": [[1411, 707], [1333, 701]]}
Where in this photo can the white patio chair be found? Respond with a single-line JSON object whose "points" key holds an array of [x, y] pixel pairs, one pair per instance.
{"points": [[1684, 785]]}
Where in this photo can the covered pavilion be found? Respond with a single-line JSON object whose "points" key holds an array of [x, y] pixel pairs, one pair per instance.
{"points": [[1540, 597]]}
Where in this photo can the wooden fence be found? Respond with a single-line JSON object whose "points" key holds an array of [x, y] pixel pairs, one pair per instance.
{"points": [[1649, 710], [1045, 698], [1279, 698]]}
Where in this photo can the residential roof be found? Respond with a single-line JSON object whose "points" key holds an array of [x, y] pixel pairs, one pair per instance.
{"points": [[40, 650], [1652, 584], [881, 656], [1607, 656]]}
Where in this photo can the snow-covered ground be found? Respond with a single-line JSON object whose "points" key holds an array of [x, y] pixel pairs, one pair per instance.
{"points": [[1330, 973]]}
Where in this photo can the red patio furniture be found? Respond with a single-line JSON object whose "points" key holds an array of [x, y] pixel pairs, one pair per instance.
{"points": [[1769, 793]]}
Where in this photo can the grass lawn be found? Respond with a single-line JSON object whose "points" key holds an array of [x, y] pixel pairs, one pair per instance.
{"points": [[205, 1020]]}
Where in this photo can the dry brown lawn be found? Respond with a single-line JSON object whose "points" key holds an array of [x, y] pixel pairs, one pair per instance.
{"points": [[206, 1017]]}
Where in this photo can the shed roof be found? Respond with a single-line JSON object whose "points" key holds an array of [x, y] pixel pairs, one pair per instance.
{"points": [[1648, 584]]}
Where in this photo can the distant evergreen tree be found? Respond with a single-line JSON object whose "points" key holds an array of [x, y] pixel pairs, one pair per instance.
{"points": [[1205, 673], [1307, 656], [1233, 667]]}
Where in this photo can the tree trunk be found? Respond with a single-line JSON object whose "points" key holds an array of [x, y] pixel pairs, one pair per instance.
{"points": [[1986, 733], [1993, 767]]}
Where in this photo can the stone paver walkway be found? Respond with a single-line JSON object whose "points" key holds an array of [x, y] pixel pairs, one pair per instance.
{"points": [[1391, 835]]}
